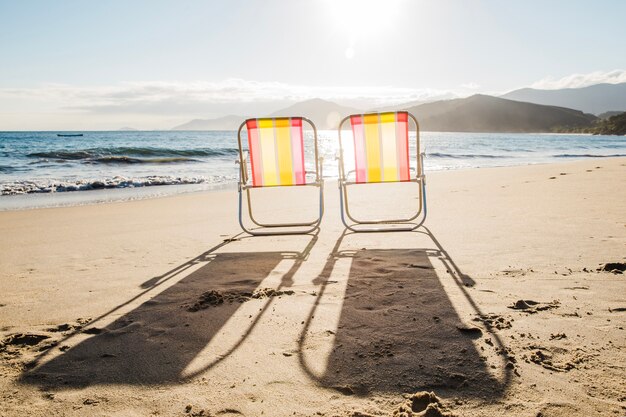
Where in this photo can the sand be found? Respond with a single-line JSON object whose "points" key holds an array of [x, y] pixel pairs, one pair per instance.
{"points": [[502, 305]]}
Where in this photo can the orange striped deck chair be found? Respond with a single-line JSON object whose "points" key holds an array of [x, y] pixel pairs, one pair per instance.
{"points": [[381, 155], [276, 152]]}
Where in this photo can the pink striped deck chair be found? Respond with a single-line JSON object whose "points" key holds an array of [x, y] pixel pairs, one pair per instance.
{"points": [[381, 155], [277, 159]]}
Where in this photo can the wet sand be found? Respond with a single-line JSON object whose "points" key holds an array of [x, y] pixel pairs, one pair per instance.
{"points": [[511, 301]]}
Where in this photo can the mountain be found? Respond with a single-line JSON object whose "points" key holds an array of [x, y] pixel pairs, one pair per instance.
{"points": [[404, 106], [325, 114], [481, 113], [608, 114], [127, 129], [478, 113], [221, 123], [594, 99]]}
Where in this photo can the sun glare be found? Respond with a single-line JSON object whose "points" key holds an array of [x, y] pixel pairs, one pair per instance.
{"points": [[364, 18]]}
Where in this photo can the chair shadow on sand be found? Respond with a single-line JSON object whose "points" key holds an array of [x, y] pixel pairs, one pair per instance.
{"points": [[156, 342], [398, 329]]}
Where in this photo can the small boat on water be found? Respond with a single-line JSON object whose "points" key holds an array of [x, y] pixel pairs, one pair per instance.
{"points": [[69, 135]]}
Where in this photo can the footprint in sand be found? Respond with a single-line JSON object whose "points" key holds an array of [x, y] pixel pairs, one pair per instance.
{"points": [[15, 344], [419, 266], [224, 412], [422, 403], [471, 331], [613, 267], [531, 306], [65, 327], [556, 359], [23, 339], [93, 330], [494, 321], [214, 298]]}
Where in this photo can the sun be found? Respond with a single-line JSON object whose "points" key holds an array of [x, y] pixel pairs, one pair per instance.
{"points": [[362, 19]]}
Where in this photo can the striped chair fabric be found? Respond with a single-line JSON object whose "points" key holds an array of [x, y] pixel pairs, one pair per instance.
{"points": [[381, 147], [276, 151]]}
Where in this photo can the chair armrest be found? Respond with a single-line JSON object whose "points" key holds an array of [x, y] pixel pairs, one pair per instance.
{"points": [[244, 168], [349, 173], [422, 177]]}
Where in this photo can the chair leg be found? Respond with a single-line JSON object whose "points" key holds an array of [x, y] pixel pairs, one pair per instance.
{"points": [[240, 217], [313, 225], [343, 205]]}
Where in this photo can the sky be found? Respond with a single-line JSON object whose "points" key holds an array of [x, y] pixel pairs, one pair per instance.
{"points": [[153, 64]]}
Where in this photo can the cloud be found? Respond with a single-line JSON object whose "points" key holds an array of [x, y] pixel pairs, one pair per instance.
{"points": [[162, 104], [199, 97], [471, 86], [581, 80]]}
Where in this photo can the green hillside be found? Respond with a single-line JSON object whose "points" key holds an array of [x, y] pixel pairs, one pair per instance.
{"points": [[614, 125]]}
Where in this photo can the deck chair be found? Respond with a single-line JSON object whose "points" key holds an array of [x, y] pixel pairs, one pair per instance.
{"points": [[277, 159], [381, 155]]}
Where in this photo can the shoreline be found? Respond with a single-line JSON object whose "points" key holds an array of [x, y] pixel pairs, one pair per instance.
{"points": [[118, 195], [106, 196]]}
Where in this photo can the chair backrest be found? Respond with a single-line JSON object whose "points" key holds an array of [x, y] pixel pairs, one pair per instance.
{"points": [[381, 146], [276, 149]]}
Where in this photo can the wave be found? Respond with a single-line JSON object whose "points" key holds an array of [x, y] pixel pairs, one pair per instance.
{"points": [[62, 155], [463, 156], [129, 160], [6, 169], [95, 153], [588, 155], [44, 186]]}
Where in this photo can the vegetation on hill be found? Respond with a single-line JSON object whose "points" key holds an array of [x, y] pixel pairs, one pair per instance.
{"points": [[608, 114], [614, 125], [482, 113]]}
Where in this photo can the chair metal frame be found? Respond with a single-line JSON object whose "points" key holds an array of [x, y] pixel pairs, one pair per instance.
{"points": [[244, 185], [419, 179]]}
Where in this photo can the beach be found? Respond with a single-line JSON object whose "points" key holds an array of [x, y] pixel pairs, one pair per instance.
{"points": [[500, 305]]}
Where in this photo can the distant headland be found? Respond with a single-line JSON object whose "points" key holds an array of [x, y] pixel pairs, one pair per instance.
{"points": [[519, 111]]}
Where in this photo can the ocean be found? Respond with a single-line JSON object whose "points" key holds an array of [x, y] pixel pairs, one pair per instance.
{"points": [[41, 169]]}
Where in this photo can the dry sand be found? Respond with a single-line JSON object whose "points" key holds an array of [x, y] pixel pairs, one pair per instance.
{"points": [[161, 307]]}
